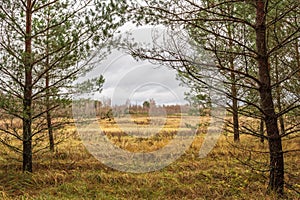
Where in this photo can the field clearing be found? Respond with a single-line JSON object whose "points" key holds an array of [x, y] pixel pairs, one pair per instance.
{"points": [[73, 173]]}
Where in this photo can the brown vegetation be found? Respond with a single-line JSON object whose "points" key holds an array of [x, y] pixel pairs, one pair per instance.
{"points": [[230, 171]]}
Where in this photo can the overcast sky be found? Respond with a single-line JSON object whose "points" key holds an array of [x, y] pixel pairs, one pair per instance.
{"points": [[126, 78]]}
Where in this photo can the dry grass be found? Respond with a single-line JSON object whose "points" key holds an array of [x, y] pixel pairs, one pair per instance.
{"points": [[72, 173]]}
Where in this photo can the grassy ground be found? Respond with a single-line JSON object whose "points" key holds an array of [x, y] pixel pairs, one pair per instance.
{"points": [[72, 173]]}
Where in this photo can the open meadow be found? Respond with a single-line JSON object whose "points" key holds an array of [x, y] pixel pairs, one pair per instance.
{"points": [[114, 99], [230, 171]]}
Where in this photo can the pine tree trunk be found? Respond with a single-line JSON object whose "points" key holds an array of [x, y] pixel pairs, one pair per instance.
{"points": [[50, 132], [27, 146], [47, 85], [27, 101], [276, 176], [235, 114], [48, 107], [278, 98], [49, 117]]}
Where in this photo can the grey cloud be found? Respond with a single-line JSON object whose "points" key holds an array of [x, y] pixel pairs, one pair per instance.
{"points": [[126, 78]]}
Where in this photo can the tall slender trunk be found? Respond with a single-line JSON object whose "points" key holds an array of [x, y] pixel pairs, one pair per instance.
{"points": [[278, 97], [48, 102], [48, 116], [276, 176], [235, 114], [27, 101]]}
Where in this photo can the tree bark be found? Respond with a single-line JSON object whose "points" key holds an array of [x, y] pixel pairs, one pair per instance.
{"points": [[278, 98], [235, 113], [276, 176], [48, 116], [27, 101], [48, 103]]}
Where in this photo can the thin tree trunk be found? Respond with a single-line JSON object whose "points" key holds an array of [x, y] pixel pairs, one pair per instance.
{"points": [[27, 101], [278, 96], [49, 117], [235, 113], [235, 116], [48, 103], [276, 176]]}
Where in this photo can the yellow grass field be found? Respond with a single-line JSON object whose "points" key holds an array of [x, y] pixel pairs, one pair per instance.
{"points": [[228, 172]]}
